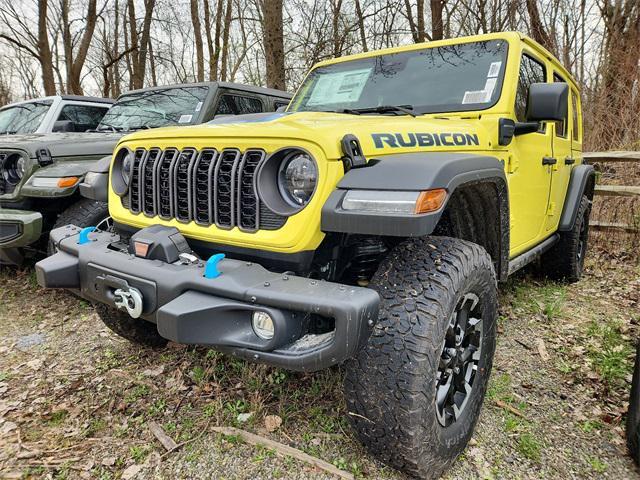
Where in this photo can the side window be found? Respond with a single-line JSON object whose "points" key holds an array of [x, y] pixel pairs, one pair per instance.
{"points": [[531, 71], [574, 108], [561, 126], [84, 117], [238, 105]]}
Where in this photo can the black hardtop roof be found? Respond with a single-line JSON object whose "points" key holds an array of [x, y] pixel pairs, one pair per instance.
{"points": [[235, 86]]}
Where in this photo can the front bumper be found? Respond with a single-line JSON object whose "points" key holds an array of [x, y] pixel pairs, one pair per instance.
{"points": [[189, 308], [19, 228]]}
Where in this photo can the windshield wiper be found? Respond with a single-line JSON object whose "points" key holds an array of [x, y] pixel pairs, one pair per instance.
{"points": [[8, 132], [408, 109]]}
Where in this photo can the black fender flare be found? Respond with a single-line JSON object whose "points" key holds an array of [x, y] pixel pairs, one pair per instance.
{"points": [[417, 172], [582, 182], [96, 186]]}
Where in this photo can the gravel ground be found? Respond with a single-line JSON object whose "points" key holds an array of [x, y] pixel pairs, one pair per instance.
{"points": [[77, 402]]}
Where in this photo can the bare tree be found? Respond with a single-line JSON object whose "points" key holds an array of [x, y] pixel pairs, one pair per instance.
{"points": [[274, 43], [197, 33], [75, 63]]}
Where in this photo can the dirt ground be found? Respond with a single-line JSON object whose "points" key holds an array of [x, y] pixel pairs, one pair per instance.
{"points": [[76, 401]]}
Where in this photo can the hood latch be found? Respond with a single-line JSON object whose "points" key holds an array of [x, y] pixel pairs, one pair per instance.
{"points": [[352, 152]]}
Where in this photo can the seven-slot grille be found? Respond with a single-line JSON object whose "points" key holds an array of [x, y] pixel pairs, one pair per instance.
{"points": [[209, 187]]}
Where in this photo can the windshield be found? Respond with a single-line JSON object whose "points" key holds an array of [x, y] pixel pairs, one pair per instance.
{"points": [[23, 118], [452, 78], [155, 108]]}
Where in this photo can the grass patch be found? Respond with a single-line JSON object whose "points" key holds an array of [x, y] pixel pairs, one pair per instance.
{"points": [[609, 352], [529, 446], [598, 465]]}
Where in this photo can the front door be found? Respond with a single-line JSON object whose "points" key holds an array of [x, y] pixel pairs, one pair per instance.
{"points": [[561, 168], [529, 180]]}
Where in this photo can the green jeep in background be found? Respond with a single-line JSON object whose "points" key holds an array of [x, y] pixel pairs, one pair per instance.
{"points": [[40, 174]]}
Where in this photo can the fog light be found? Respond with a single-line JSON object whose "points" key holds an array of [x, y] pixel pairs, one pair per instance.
{"points": [[262, 324]]}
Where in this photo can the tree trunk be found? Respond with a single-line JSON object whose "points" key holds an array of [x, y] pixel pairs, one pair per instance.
{"points": [[420, 21], [197, 33], [75, 64], [44, 50], [538, 32], [225, 40], [141, 44], [274, 43], [437, 25], [363, 36], [207, 29]]}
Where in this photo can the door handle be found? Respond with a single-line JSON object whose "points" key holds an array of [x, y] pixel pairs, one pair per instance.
{"points": [[569, 161], [549, 161]]}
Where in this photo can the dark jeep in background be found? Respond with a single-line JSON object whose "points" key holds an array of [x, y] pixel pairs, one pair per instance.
{"points": [[40, 174]]}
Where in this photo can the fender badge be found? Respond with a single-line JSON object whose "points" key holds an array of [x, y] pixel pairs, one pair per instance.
{"points": [[83, 237], [211, 267]]}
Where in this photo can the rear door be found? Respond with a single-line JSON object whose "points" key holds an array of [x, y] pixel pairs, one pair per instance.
{"points": [[529, 179], [563, 163]]}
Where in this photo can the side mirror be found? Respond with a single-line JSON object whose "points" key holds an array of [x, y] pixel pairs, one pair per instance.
{"points": [[281, 108], [64, 126], [547, 102]]}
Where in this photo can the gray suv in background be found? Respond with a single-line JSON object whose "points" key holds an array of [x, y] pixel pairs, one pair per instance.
{"points": [[60, 113]]}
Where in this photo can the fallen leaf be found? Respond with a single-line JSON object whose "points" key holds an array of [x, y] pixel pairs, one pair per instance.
{"points": [[272, 422], [243, 417], [131, 471], [542, 350]]}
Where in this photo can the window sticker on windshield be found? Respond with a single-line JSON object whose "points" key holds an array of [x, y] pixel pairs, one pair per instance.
{"points": [[198, 106], [339, 87], [480, 96], [185, 118], [494, 69]]}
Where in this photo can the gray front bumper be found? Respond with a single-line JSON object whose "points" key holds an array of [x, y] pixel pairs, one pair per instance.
{"points": [[189, 308]]}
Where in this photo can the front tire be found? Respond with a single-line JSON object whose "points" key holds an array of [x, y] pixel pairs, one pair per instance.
{"points": [[414, 392], [135, 330], [83, 213]]}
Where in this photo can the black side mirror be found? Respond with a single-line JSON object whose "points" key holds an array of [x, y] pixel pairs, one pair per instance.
{"points": [[547, 102], [64, 126]]}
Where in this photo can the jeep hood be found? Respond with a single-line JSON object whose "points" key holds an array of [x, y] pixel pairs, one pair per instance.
{"points": [[61, 145], [378, 134]]}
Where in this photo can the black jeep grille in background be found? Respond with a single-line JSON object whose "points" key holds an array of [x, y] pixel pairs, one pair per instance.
{"points": [[4, 185], [209, 187]]}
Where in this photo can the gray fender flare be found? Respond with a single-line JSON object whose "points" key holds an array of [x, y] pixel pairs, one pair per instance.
{"points": [[582, 182], [96, 186]]}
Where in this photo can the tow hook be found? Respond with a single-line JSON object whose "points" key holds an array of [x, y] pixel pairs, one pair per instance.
{"points": [[129, 299]]}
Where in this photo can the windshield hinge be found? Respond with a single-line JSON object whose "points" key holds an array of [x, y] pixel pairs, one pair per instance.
{"points": [[44, 157], [352, 152]]}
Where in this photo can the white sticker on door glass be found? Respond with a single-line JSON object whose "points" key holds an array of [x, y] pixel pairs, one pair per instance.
{"points": [[339, 87], [494, 69], [185, 118]]}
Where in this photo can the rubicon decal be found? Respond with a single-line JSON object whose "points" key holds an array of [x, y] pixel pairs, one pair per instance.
{"points": [[400, 140]]}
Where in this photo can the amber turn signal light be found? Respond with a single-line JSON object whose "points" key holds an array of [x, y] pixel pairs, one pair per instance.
{"points": [[430, 200], [67, 182]]}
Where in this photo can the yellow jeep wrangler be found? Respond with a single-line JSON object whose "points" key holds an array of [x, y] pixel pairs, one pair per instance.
{"points": [[369, 223]]}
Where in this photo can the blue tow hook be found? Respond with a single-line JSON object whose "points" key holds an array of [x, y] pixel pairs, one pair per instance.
{"points": [[211, 267], [84, 235]]}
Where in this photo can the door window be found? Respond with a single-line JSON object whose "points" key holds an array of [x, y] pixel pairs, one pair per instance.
{"points": [[84, 117], [531, 71], [238, 105], [561, 126], [574, 107]]}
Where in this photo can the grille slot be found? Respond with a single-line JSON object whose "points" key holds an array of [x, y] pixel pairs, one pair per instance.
{"points": [[225, 187], [147, 182], [209, 187], [134, 201]]}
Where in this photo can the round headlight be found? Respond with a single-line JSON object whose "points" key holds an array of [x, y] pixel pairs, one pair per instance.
{"points": [[297, 178], [13, 169], [126, 167]]}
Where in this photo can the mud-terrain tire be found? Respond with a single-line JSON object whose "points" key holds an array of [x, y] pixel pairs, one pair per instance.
{"points": [[425, 285], [136, 330], [565, 260], [633, 416], [84, 213]]}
